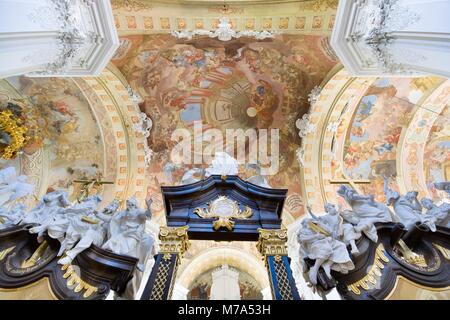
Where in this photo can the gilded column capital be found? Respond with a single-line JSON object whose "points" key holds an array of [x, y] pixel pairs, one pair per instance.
{"points": [[272, 242], [174, 240]]}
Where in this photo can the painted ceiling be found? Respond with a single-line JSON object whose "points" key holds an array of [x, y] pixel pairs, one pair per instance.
{"points": [[221, 84]]}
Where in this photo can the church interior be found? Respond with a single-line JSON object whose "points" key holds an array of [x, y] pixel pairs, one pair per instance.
{"points": [[224, 150]]}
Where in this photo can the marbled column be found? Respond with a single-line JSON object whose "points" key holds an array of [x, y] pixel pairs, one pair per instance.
{"points": [[174, 243], [272, 245]]}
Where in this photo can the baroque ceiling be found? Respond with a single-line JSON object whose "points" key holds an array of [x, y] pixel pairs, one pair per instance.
{"points": [[239, 84]]}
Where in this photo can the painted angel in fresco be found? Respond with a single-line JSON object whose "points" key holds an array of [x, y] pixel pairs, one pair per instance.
{"points": [[50, 204]]}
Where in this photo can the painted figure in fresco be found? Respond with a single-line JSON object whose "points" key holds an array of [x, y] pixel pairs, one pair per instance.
{"points": [[127, 233], [435, 215], [316, 243], [407, 208], [86, 229], [365, 207], [13, 187]]}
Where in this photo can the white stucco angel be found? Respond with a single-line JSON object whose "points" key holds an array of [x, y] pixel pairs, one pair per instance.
{"points": [[435, 215], [407, 208], [12, 217], [223, 164], [349, 231], [331, 220], [365, 207], [127, 234], [365, 226], [85, 229], [51, 203], [13, 187], [317, 242], [53, 218], [75, 221]]}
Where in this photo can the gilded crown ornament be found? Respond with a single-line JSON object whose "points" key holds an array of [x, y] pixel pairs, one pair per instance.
{"points": [[224, 210]]}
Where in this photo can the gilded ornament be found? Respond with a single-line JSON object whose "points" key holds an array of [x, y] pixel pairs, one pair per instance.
{"points": [[173, 240], [411, 257], [14, 135], [444, 251], [224, 210], [5, 252], [371, 278], [75, 282], [129, 5], [272, 242], [36, 256]]}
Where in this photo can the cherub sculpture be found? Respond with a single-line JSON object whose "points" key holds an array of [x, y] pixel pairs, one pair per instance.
{"points": [[365, 226]]}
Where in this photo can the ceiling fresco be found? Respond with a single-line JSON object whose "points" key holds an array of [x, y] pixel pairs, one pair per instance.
{"points": [[242, 83], [437, 153], [370, 127], [65, 139]]}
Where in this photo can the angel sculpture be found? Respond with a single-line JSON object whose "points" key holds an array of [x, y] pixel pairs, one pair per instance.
{"points": [[52, 203], [13, 187], [359, 225], [57, 224], [407, 208], [85, 229], [435, 215], [349, 231], [223, 164], [318, 242], [365, 207], [9, 218], [127, 233]]}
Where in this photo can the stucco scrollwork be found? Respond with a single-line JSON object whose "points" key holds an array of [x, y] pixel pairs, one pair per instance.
{"points": [[374, 29]]}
